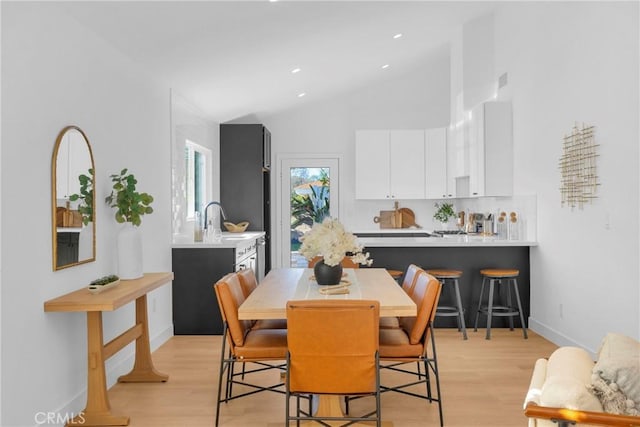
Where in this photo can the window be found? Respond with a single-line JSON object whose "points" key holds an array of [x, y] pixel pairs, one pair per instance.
{"points": [[197, 177]]}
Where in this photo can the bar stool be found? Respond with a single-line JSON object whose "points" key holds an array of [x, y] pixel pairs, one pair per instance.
{"points": [[451, 276], [509, 276]]}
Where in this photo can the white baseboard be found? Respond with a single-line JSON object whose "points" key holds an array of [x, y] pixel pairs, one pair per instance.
{"points": [[122, 365], [556, 337]]}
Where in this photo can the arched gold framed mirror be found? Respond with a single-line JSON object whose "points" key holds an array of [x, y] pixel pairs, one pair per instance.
{"points": [[73, 199]]}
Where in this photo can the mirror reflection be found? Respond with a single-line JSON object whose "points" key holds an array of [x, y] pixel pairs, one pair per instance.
{"points": [[73, 199]]}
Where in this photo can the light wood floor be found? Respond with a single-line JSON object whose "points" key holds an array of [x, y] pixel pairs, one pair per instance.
{"points": [[483, 384]]}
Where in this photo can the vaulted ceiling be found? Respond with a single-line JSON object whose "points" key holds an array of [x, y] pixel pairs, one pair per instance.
{"points": [[235, 58]]}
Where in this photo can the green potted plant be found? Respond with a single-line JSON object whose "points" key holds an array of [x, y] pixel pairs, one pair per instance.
{"points": [[444, 212], [130, 207], [85, 197], [130, 204]]}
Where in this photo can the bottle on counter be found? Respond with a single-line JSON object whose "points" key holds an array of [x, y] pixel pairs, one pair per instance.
{"points": [[514, 226], [502, 228], [198, 228]]}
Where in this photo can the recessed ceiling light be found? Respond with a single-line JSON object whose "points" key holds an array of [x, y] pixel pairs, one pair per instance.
{"points": [[295, 70], [397, 36], [301, 94], [385, 66]]}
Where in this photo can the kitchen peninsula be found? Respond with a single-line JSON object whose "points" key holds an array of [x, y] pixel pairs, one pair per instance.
{"points": [[397, 248]]}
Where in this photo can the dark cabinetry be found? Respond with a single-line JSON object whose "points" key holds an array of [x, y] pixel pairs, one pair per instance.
{"points": [[469, 260], [67, 247], [195, 307], [245, 160]]}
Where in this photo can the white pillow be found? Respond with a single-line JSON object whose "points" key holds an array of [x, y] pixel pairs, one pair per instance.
{"points": [[572, 362], [570, 393], [619, 366], [568, 378]]}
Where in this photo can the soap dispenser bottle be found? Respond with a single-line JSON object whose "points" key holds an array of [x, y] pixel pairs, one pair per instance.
{"points": [[198, 228]]}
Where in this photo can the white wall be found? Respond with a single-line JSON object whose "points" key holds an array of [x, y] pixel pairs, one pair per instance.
{"points": [[568, 62], [478, 61], [417, 99], [56, 73], [188, 122]]}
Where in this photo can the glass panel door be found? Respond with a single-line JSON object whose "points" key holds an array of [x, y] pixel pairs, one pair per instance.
{"points": [[309, 194]]}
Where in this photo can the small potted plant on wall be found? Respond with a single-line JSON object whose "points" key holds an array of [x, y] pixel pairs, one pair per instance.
{"points": [[130, 207]]}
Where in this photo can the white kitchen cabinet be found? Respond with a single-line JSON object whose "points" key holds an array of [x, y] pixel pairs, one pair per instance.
{"points": [[436, 163], [490, 150], [457, 163], [390, 164]]}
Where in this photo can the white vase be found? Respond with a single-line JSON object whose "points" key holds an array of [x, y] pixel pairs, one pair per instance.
{"points": [[129, 252]]}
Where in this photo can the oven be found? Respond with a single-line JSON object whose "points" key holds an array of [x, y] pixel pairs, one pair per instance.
{"points": [[246, 257]]}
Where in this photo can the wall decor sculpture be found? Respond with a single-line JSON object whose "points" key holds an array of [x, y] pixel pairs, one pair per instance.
{"points": [[579, 181]]}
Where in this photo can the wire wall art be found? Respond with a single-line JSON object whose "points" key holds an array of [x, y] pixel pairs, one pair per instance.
{"points": [[579, 182]]}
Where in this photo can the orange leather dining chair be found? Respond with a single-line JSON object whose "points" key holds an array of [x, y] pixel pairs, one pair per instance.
{"points": [[266, 348], [410, 343], [346, 262], [333, 349], [408, 282], [249, 283]]}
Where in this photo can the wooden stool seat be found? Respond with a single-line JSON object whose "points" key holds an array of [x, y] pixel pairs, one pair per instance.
{"points": [[499, 272], [445, 274]]}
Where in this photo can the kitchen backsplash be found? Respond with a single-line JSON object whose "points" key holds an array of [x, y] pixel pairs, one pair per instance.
{"points": [[361, 215]]}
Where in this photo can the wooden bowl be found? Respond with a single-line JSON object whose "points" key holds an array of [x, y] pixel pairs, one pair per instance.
{"points": [[236, 228]]}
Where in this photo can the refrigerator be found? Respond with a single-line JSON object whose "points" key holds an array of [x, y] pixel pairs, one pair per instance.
{"points": [[245, 179]]}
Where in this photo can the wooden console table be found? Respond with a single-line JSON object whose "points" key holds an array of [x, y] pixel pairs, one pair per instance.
{"points": [[98, 410]]}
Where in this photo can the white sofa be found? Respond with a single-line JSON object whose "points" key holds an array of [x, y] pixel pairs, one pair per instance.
{"points": [[569, 388]]}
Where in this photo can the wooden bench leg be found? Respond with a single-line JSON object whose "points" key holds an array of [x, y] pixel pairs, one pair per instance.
{"points": [[143, 369], [98, 411]]}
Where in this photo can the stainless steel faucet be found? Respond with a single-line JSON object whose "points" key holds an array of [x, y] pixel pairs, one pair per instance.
{"points": [[206, 208]]}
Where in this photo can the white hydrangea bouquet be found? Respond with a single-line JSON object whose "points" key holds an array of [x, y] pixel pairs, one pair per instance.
{"points": [[331, 241]]}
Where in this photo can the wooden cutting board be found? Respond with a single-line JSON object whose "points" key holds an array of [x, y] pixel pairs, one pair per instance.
{"points": [[408, 218], [386, 219]]}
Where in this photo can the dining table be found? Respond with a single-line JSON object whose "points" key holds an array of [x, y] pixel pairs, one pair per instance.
{"points": [[280, 285]]}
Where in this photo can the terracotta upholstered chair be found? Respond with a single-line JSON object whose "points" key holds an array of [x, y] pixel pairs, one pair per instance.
{"points": [[410, 343], [333, 350], [409, 281], [249, 283], [267, 348], [346, 262]]}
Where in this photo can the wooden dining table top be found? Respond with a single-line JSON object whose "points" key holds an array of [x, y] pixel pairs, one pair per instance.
{"points": [[269, 299]]}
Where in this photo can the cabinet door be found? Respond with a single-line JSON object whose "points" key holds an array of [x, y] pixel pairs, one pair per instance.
{"points": [[372, 164], [476, 152], [407, 164], [491, 150], [436, 163], [456, 156]]}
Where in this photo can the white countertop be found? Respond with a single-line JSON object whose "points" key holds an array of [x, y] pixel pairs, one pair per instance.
{"points": [[460, 240], [229, 240]]}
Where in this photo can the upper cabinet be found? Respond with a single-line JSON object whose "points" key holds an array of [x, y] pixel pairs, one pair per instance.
{"points": [[436, 164], [490, 150], [439, 163], [390, 164]]}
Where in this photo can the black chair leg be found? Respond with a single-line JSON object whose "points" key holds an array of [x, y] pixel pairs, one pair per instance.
{"points": [[220, 374]]}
